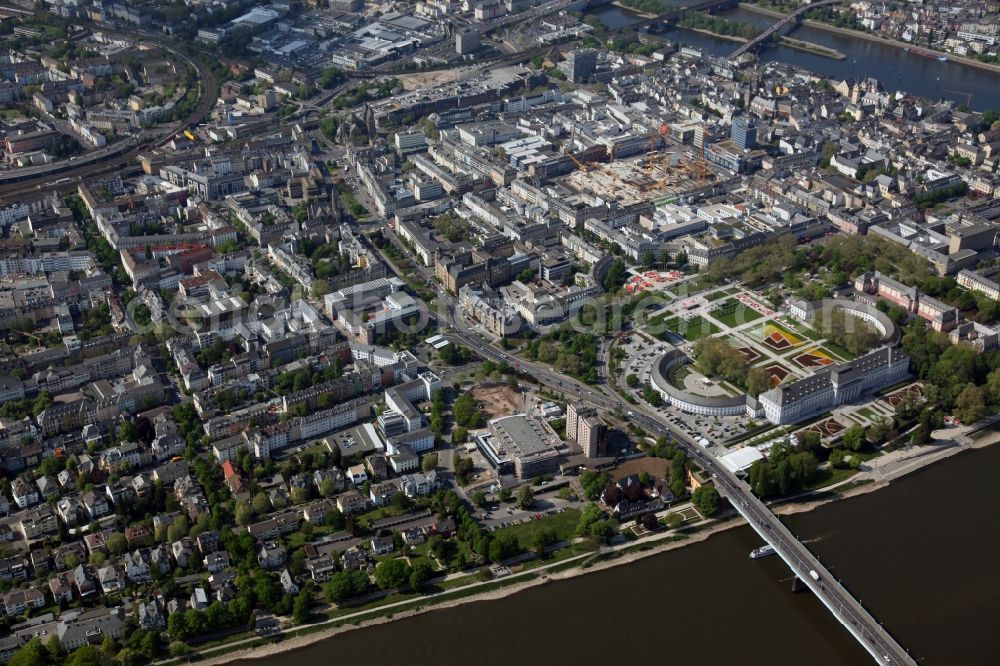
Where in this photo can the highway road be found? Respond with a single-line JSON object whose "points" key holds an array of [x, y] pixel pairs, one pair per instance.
{"points": [[865, 628], [862, 625]]}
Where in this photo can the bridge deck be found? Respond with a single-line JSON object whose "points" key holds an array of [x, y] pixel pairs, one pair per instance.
{"points": [[862, 625], [764, 36]]}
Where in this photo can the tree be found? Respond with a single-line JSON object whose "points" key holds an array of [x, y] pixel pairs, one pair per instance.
{"points": [[261, 503], [178, 648], [854, 438], [502, 547], [525, 497], [479, 498], [429, 462], [542, 539], [127, 431], [328, 487], [177, 530], [420, 574], [392, 574], [504, 495], [116, 543], [57, 653], [706, 500], [604, 530], [243, 514], [32, 653], [970, 405], [343, 586], [465, 411], [879, 430], [88, 655], [177, 627], [300, 608]]}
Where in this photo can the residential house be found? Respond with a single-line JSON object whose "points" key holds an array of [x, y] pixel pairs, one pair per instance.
{"points": [[444, 527], [38, 522], [68, 509], [138, 535], [61, 588], [95, 504], [83, 579], [316, 512], [159, 557], [68, 555], [413, 536], [183, 552], [216, 561], [47, 487], [355, 558], [169, 472], [13, 568], [351, 502], [136, 568], [151, 615], [39, 559], [335, 476], [89, 627], [24, 493], [418, 484], [382, 545], [208, 542], [321, 568], [271, 555], [111, 578], [287, 582], [377, 466], [357, 475], [233, 478], [18, 601], [199, 599], [381, 493], [95, 542]]}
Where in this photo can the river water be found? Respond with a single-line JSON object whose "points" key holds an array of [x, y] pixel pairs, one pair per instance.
{"points": [[922, 555], [895, 68]]}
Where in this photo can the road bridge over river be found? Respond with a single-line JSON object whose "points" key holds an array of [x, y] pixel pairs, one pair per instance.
{"points": [[762, 38]]}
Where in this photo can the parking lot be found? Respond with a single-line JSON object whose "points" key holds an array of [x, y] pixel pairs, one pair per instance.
{"points": [[641, 352]]}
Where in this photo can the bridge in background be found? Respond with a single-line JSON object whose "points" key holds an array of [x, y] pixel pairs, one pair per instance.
{"points": [[806, 566], [763, 37]]}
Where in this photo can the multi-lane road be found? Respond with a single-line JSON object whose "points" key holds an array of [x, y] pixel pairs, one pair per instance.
{"points": [[806, 566], [862, 625]]}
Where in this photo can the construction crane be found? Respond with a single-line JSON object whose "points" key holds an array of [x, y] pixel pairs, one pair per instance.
{"points": [[580, 165], [659, 161]]}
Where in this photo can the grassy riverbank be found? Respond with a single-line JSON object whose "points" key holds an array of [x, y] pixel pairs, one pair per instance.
{"points": [[577, 559], [560, 566]]}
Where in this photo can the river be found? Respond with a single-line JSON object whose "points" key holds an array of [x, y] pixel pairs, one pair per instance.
{"points": [[895, 68], [920, 554]]}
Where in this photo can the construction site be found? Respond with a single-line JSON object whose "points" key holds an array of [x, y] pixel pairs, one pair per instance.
{"points": [[663, 174]]}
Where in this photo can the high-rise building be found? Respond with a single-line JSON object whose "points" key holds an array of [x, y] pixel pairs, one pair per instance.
{"points": [[584, 427], [466, 40], [592, 435], [744, 133], [579, 65]]}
